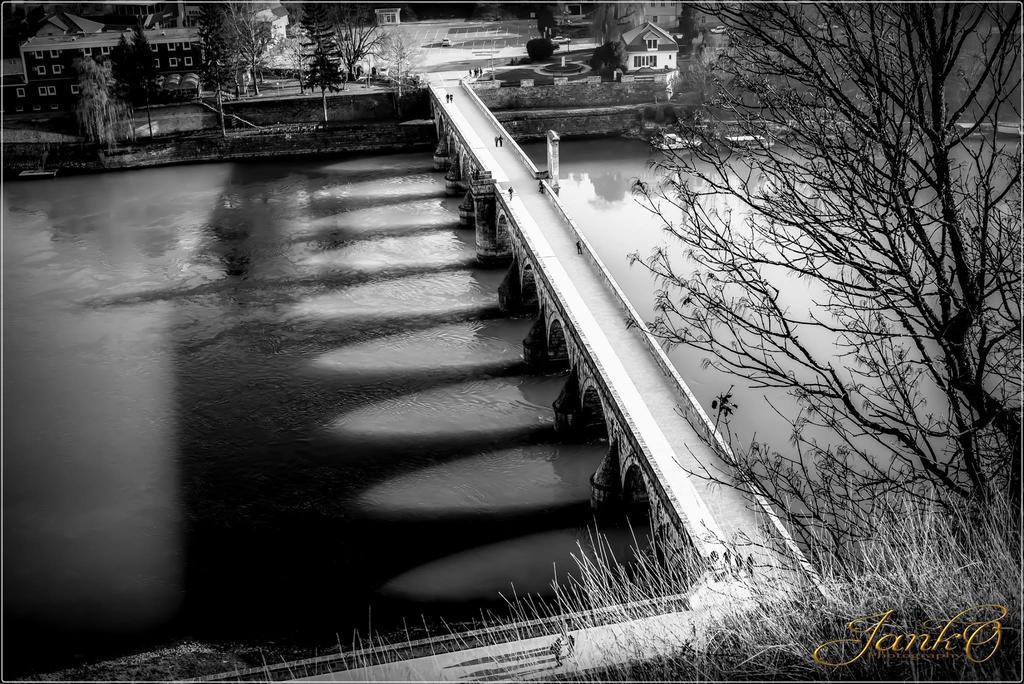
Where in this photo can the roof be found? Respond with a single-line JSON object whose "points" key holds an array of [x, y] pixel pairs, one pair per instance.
{"points": [[631, 35], [108, 38], [272, 15], [72, 23]]}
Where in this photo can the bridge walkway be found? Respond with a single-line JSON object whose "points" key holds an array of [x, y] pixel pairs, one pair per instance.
{"points": [[648, 393]]}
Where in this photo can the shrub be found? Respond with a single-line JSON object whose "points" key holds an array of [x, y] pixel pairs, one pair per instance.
{"points": [[610, 55], [650, 112], [540, 48]]}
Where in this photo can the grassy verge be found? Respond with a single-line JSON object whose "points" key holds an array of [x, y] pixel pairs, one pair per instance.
{"points": [[919, 571], [924, 566]]}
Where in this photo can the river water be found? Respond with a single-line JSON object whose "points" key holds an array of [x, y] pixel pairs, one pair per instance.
{"points": [[279, 401]]}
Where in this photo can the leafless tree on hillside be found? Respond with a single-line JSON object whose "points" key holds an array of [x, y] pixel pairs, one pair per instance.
{"points": [[890, 197]]}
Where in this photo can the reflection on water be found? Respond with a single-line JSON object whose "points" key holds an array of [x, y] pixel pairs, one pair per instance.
{"points": [[479, 406], [526, 565], [457, 345], [428, 250], [181, 436], [528, 477], [452, 292]]}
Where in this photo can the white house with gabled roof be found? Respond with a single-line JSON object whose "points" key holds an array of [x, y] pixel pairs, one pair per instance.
{"points": [[650, 46]]}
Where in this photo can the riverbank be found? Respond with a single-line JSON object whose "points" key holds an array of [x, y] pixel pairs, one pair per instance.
{"points": [[278, 143]]}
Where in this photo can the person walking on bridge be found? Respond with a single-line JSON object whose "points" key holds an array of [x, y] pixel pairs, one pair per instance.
{"points": [[510, 192], [579, 247], [556, 650]]}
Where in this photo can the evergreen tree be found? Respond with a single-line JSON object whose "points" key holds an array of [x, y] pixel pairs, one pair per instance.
{"points": [[323, 69], [217, 58], [134, 71]]}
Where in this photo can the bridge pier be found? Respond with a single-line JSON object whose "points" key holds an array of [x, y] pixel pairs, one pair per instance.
{"points": [[605, 488], [466, 211], [441, 155], [492, 244], [451, 180], [535, 344], [566, 406], [510, 292]]}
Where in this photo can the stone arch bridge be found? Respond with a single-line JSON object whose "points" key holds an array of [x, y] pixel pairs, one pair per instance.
{"points": [[620, 384]]}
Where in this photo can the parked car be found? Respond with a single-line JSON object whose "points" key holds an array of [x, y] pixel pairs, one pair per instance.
{"points": [[559, 40], [446, 42], [718, 30]]}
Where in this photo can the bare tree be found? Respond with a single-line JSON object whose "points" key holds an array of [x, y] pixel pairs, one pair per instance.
{"points": [[891, 200], [358, 34], [290, 53], [399, 54], [251, 37]]}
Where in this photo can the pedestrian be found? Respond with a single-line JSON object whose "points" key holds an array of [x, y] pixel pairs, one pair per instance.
{"points": [[579, 247], [495, 141], [510, 192], [501, 141], [540, 186], [556, 650]]}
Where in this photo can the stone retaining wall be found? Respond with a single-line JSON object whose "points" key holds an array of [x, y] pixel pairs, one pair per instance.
{"points": [[73, 157], [572, 94]]}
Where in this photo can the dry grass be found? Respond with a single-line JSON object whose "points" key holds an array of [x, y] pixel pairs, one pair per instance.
{"points": [[922, 565]]}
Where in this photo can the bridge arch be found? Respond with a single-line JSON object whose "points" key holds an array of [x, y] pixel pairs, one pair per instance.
{"points": [[558, 348], [502, 232], [528, 285], [634, 487], [592, 421]]}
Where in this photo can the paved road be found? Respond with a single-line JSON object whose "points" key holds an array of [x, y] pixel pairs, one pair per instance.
{"points": [[647, 395]]}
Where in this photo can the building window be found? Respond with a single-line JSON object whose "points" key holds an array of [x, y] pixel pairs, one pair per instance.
{"points": [[57, 69], [154, 47], [651, 43], [171, 47], [38, 54], [21, 92], [51, 90], [74, 89], [53, 106], [156, 63], [104, 50], [37, 108], [645, 61], [188, 61], [19, 108], [41, 70], [55, 53], [87, 51], [42, 90], [172, 62], [186, 46]]}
